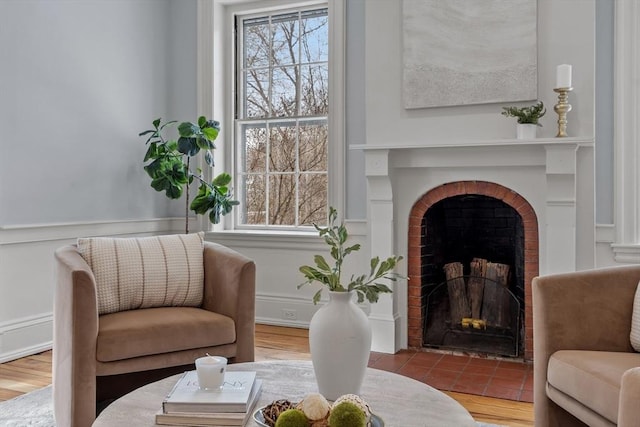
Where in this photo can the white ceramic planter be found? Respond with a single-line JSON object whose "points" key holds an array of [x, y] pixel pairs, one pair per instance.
{"points": [[526, 131], [340, 342]]}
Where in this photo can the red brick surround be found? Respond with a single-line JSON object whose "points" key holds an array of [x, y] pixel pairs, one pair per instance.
{"points": [[531, 265]]}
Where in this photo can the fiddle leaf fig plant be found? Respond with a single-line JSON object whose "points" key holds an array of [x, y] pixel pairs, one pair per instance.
{"points": [[526, 115], [367, 286], [169, 166]]}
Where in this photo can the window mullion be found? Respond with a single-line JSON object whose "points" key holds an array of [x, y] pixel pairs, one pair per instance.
{"points": [[267, 175]]}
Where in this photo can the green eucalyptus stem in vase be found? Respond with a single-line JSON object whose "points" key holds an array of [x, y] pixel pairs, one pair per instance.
{"points": [[367, 286]]}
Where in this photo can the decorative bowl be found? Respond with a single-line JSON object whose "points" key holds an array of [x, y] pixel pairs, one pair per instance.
{"points": [[375, 421]]}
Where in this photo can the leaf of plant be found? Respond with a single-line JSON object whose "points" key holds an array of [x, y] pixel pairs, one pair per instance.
{"points": [[309, 272], [335, 253], [152, 152], [210, 133], [374, 264], [342, 234], [164, 183], [178, 173], [174, 191], [321, 263], [188, 146], [200, 204], [202, 120], [353, 248], [208, 158], [203, 142], [188, 129], [156, 122], [222, 179], [214, 216], [316, 297], [213, 124], [153, 168]]}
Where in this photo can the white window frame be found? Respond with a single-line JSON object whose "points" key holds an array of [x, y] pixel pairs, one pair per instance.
{"points": [[215, 74]]}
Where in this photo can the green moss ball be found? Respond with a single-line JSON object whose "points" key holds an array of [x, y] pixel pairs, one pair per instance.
{"points": [[292, 418], [347, 414]]}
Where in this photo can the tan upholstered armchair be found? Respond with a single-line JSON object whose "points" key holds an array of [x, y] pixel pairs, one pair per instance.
{"points": [[101, 357], [585, 370]]}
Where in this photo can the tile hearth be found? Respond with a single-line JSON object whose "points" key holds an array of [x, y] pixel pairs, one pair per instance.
{"points": [[502, 379]]}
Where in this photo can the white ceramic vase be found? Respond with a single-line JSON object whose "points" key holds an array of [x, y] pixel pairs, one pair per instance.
{"points": [[526, 131], [340, 342]]}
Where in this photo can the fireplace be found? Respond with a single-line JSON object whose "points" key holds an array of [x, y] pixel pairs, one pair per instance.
{"points": [[460, 221], [472, 285], [546, 182]]}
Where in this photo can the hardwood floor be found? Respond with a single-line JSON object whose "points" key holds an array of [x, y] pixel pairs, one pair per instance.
{"points": [[33, 372]]}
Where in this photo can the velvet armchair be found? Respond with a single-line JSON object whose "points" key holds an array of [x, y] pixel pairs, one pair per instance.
{"points": [[97, 357]]}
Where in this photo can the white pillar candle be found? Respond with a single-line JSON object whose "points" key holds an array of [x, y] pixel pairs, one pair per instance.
{"points": [[210, 371], [563, 76]]}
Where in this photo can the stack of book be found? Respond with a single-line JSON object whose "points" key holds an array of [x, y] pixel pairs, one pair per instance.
{"points": [[231, 405]]}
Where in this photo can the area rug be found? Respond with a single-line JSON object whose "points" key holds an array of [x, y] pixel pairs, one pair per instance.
{"points": [[36, 409], [31, 409]]}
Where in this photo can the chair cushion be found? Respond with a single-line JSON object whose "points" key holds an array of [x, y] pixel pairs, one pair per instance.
{"points": [[591, 377], [635, 321], [133, 273], [144, 332]]}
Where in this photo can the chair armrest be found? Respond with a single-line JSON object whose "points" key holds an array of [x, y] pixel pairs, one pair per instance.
{"points": [[628, 410], [75, 325], [587, 310], [230, 289]]}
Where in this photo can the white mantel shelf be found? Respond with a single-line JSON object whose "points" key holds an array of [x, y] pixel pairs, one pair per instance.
{"points": [[569, 141]]}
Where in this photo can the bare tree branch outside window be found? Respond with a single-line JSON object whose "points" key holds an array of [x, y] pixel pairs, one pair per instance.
{"points": [[282, 112]]}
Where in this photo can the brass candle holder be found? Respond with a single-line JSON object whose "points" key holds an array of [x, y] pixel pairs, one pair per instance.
{"points": [[562, 108]]}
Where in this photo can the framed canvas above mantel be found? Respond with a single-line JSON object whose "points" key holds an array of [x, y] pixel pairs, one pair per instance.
{"points": [[461, 52]]}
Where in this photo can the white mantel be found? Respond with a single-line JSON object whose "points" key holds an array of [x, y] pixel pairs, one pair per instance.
{"points": [[556, 177]]}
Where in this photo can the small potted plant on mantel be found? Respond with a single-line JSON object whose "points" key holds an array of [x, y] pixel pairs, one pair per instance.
{"points": [[528, 119]]}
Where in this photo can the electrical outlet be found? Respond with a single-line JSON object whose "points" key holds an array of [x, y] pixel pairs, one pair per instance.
{"points": [[289, 314]]}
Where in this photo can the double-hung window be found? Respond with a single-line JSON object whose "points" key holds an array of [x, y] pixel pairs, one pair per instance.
{"points": [[281, 118]]}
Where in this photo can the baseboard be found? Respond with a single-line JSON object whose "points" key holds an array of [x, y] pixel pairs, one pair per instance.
{"points": [[26, 336], [278, 322], [284, 310]]}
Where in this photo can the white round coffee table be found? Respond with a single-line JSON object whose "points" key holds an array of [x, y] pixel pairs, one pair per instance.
{"points": [[398, 400]]}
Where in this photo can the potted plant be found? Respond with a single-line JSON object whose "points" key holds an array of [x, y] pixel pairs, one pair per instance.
{"points": [[170, 167], [339, 332], [528, 119]]}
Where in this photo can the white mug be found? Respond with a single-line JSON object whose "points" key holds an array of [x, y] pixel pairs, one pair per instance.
{"points": [[210, 370]]}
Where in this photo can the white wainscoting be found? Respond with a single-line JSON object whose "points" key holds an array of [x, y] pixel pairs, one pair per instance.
{"points": [[27, 276], [278, 258], [27, 273]]}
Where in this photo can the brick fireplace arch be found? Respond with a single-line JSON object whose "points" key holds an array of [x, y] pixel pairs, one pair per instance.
{"points": [[531, 250]]}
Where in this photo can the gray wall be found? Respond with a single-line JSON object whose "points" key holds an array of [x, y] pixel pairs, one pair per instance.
{"points": [[78, 81]]}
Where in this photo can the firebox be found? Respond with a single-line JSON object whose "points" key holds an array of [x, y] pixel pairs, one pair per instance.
{"points": [[472, 270]]}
